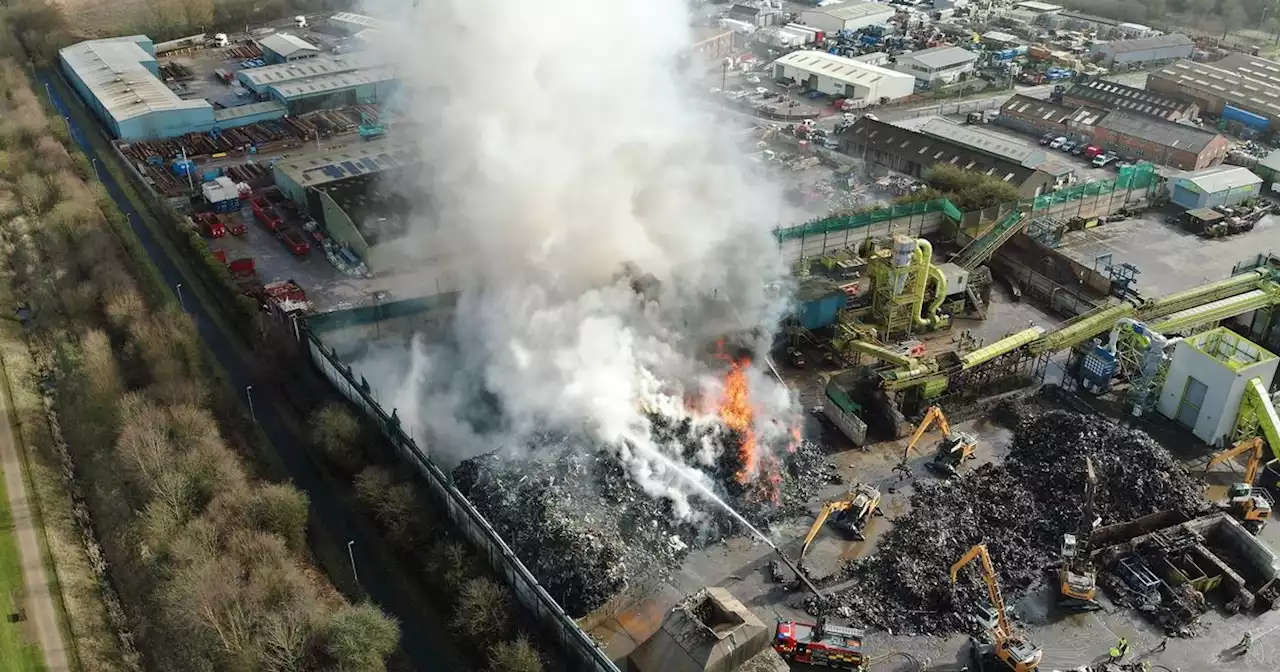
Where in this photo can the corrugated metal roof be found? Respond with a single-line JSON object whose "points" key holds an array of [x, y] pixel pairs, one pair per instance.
{"points": [[1247, 82], [940, 57], [239, 111], [1222, 178], [926, 150], [990, 143], [113, 70], [846, 11], [356, 20], [328, 83], [1108, 94], [286, 45], [839, 68], [1143, 43], [313, 170], [1158, 131], [311, 67]]}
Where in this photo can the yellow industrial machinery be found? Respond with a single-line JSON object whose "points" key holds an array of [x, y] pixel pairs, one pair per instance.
{"points": [[1014, 650], [951, 452], [1251, 505], [852, 513], [1078, 578]]}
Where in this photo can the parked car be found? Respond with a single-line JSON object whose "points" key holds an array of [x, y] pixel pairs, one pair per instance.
{"points": [[1103, 159], [1046, 138], [1092, 150], [1058, 142], [1068, 146], [1079, 149]]}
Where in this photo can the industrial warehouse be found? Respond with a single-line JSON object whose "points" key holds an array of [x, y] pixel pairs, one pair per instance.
{"points": [[1019, 417]]}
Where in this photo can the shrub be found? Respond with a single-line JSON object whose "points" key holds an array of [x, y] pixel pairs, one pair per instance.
{"points": [[335, 430], [359, 637], [483, 610], [514, 656]]}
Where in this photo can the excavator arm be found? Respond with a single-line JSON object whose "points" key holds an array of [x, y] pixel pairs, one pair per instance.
{"points": [[827, 509], [979, 551], [934, 414], [1257, 416], [1255, 445]]}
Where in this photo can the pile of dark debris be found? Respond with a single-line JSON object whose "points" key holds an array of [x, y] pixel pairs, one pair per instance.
{"points": [[1020, 509], [585, 527]]}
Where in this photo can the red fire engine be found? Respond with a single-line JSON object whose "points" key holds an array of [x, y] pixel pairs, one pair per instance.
{"points": [[820, 644]]}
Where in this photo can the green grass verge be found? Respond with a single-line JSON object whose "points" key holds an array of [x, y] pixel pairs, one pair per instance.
{"points": [[16, 654]]}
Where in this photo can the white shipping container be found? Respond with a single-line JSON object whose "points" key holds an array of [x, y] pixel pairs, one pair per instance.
{"points": [[803, 36], [811, 32]]}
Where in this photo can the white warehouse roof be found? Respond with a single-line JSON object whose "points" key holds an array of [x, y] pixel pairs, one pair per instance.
{"points": [[845, 70], [1222, 178], [311, 67], [356, 21], [115, 73], [846, 11], [286, 45]]}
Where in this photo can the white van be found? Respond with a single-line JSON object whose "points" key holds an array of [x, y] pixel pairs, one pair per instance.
{"points": [[220, 40], [299, 21]]}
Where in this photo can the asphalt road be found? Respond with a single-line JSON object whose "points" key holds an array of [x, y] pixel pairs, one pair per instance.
{"points": [[423, 637], [37, 598]]}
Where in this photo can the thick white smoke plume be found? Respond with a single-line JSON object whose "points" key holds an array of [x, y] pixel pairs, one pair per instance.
{"points": [[561, 144]]}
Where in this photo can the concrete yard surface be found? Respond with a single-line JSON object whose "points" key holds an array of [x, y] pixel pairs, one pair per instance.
{"points": [[1170, 259], [1069, 640]]}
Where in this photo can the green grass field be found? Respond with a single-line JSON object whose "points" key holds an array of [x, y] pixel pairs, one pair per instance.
{"points": [[16, 654]]}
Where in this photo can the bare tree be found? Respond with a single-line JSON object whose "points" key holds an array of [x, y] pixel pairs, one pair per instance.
{"points": [[514, 656], [483, 610]]}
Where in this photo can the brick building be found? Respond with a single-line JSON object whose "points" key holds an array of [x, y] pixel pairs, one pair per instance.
{"points": [[913, 152], [1131, 135]]}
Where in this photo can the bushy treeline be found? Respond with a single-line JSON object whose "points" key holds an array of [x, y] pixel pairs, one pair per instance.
{"points": [[481, 609], [211, 564]]}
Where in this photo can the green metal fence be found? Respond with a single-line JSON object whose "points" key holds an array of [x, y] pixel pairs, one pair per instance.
{"points": [[362, 315], [863, 219], [1138, 176]]}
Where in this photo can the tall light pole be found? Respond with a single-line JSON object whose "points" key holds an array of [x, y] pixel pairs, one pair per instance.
{"points": [[181, 304], [351, 554], [248, 395]]}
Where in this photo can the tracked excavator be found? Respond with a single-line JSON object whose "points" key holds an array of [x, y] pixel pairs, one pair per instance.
{"points": [[819, 643], [1252, 505], [851, 514], [951, 452], [1078, 578], [1012, 649]]}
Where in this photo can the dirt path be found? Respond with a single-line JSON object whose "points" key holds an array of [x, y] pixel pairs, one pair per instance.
{"points": [[38, 597]]}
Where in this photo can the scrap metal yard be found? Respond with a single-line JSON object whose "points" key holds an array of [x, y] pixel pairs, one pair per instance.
{"points": [[877, 320]]}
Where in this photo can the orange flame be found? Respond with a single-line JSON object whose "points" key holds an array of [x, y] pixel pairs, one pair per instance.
{"points": [[736, 413]]}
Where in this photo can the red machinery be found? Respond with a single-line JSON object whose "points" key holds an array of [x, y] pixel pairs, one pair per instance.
{"points": [[817, 643], [296, 243], [220, 255], [209, 225], [266, 214], [233, 224]]}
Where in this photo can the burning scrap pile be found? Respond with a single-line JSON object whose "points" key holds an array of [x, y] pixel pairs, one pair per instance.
{"points": [[580, 520], [1020, 508]]}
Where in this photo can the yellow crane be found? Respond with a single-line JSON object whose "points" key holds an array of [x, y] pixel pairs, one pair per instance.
{"points": [[1251, 505], [951, 452], [853, 512], [1078, 577], [1014, 650]]}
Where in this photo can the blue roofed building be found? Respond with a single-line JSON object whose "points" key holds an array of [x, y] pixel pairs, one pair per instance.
{"points": [[118, 78]]}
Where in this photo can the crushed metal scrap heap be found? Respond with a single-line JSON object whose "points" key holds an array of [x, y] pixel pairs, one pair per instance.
{"points": [[586, 529], [1020, 509]]}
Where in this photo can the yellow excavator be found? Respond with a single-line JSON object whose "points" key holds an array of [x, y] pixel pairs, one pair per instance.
{"points": [[1078, 577], [852, 513], [1014, 650], [951, 452], [1250, 504]]}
